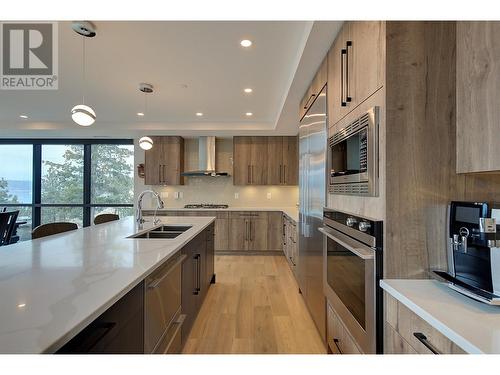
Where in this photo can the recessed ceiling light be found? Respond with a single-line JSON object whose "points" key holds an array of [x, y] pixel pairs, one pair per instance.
{"points": [[23, 116], [140, 114], [21, 305], [248, 90], [199, 114], [246, 43], [248, 114]]}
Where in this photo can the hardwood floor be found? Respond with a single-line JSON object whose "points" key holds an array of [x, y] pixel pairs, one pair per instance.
{"points": [[254, 308]]}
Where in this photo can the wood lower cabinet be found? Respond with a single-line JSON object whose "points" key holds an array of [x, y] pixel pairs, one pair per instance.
{"points": [[402, 328], [478, 95], [275, 231], [164, 163], [197, 273], [290, 245], [339, 339], [248, 231], [265, 161]]}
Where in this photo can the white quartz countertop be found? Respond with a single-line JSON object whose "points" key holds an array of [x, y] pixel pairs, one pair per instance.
{"points": [[472, 325], [53, 287], [291, 212]]}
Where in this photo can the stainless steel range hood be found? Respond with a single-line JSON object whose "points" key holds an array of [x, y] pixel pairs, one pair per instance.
{"points": [[206, 159]]}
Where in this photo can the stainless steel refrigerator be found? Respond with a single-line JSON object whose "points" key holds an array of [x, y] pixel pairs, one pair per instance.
{"points": [[312, 197]]}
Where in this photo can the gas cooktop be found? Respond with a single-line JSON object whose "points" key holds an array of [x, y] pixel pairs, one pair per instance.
{"points": [[206, 205]]}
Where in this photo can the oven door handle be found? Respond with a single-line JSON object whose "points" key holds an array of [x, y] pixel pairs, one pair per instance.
{"points": [[360, 252]]}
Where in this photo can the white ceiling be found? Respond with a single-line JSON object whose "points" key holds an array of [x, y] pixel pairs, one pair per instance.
{"points": [[205, 56]]}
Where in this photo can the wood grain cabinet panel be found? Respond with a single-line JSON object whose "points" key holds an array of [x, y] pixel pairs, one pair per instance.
{"points": [[275, 231], [339, 339], [319, 81], [275, 161], [238, 234], [356, 67], [478, 97], [368, 59], [241, 160], [265, 161], [406, 323], [164, 163], [290, 160]]}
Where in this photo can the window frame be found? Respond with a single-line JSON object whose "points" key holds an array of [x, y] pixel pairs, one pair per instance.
{"points": [[36, 203]]}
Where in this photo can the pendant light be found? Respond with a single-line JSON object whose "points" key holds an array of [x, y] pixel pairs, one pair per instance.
{"points": [[145, 143], [83, 114]]}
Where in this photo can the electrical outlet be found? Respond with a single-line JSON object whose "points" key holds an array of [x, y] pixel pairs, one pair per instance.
{"points": [[269, 195], [164, 194], [176, 195], [236, 195], [181, 194]]}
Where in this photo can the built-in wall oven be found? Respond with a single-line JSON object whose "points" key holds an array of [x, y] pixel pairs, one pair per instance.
{"points": [[353, 156], [352, 269]]}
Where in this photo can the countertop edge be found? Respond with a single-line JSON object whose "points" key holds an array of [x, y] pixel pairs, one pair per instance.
{"points": [[437, 324], [64, 339]]}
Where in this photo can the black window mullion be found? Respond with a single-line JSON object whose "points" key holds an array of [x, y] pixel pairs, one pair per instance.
{"points": [[87, 183], [37, 185]]}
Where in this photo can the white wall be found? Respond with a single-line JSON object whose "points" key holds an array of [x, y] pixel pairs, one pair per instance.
{"points": [[215, 189]]}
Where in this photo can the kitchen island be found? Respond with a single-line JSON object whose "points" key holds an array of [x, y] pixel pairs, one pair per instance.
{"points": [[52, 288]]}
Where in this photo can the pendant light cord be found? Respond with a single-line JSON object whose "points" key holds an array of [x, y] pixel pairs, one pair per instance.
{"points": [[83, 70]]}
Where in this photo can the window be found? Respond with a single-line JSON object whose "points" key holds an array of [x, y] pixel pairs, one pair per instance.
{"points": [[65, 180]]}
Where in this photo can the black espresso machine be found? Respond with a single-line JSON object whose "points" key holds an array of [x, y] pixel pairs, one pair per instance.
{"points": [[473, 251]]}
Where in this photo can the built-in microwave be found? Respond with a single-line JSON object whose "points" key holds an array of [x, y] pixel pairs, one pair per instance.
{"points": [[353, 156]]}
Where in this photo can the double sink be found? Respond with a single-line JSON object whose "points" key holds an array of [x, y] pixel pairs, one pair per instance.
{"points": [[163, 232]]}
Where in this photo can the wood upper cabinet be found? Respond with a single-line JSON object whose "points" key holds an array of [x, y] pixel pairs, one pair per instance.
{"points": [[355, 66], [317, 84], [265, 161], [275, 160], [368, 49], [282, 161], [478, 95], [164, 163], [249, 161], [290, 147]]}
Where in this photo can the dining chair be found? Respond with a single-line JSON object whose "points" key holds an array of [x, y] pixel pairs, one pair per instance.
{"points": [[52, 228], [7, 224], [104, 218]]}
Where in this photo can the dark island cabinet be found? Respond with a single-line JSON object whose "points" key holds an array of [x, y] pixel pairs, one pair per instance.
{"points": [[119, 330]]}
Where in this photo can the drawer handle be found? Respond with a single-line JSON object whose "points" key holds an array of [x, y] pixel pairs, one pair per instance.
{"points": [[423, 339], [336, 342]]}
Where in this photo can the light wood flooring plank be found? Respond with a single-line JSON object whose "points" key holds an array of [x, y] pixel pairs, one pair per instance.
{"points": [[254, 308]]}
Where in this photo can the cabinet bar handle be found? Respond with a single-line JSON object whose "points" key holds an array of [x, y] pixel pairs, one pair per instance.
{"points": [[284, 174], [281, 167], [248, 173], [308, 100], [159, 173], [423, 339], [336, 342], [347, 45], [342, 53]]}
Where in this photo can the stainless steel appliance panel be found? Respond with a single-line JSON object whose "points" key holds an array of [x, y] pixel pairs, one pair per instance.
{"points": [[162, 302], [312, 188]]}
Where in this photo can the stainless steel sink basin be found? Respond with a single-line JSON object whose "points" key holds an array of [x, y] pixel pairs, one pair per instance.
{"points": [[173, 228], [154, 234], [163, 232]]}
